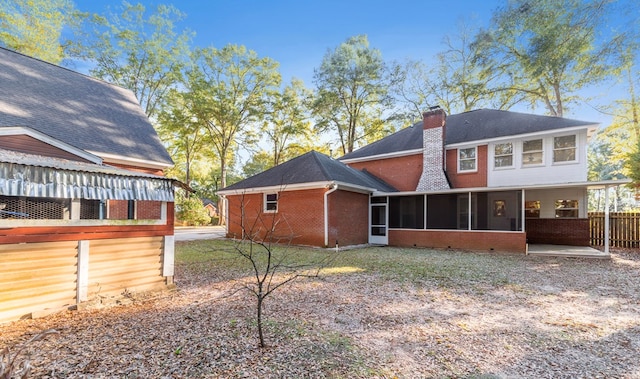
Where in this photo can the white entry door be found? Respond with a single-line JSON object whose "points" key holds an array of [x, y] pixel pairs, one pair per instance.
{"points": [[378, 216]]}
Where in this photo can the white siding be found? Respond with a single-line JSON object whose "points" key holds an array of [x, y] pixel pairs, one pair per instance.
{"points": [[546, 173]]}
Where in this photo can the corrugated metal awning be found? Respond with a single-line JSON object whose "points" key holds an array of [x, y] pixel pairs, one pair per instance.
{"points": [[54, 178]]}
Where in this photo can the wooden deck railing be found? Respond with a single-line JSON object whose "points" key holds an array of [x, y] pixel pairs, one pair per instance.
{"points": [[624, 229]]}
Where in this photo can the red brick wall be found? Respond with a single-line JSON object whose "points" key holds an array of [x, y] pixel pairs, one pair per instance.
{"points": [[349, 218], [118, 209], [300, 214], [148, 210], [558, 231], [467, 180], [402, 172], [30, 145], [514, 242]]}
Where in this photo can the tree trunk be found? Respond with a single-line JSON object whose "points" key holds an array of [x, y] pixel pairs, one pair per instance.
{"points": [[260, 334]]}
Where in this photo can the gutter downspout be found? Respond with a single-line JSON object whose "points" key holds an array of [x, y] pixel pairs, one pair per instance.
{"points": [[332, 188]]}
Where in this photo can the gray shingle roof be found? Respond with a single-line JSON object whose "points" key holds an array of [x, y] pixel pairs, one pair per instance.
{"points": [[308, 168], [470, 126], [84, 112]]}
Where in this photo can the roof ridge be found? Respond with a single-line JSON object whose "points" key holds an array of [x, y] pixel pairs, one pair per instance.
{"points": [[316, 156]]}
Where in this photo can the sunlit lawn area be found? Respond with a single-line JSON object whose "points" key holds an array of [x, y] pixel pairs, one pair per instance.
{"points": [[374, 312]]}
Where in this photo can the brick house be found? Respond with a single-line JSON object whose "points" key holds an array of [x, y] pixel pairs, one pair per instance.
{"points": [[479, 180], [85, 212]]}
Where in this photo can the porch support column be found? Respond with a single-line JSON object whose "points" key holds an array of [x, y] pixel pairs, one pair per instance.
{"points": [[469, 209], [168, 258], [522, 210], [82, 280], [606, 219]]}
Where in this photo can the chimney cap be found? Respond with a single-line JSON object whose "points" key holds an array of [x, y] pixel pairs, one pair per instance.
{"points": [[433, 108]]}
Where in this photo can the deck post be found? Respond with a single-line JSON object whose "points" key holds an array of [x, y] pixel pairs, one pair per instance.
{"points": [[606, 219]]}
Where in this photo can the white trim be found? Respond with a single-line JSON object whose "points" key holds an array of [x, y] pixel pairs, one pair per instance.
{"points": [[119, 159], [24, 130], [395, 154], [264, 202], [588, 185], [540, 134], [297, 187], [82, 279], [168, 256], [475, 160]]}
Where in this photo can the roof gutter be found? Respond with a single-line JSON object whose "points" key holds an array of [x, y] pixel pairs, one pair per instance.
{"points": [[332, 188]]}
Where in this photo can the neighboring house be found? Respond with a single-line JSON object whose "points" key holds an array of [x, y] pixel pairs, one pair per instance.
{"points": [[480, 180], [210, 207], [85, 212]]}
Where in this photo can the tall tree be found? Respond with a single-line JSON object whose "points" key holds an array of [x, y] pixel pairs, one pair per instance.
{"points": [[454, 82], [288, 119], [547, 50], [228, 89], [138, 50], [183, 136], [34, 27], [352, 82]]}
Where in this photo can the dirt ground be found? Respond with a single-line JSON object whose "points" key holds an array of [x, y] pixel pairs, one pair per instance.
{"points": [[388, 314]]}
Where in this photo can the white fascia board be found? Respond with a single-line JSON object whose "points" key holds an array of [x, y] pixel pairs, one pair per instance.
{"points": [[278, 188], [119, 159], [588, 185], [299, 187], [590, 128], [395, 154], [25, 130], [354, 188]]}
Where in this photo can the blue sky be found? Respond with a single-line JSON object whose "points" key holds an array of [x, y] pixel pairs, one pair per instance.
{"points": [[298, 33]]}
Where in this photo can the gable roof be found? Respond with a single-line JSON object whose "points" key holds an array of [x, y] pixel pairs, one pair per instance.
{"points": [[469, 126], [311, 167], [84, 112]]}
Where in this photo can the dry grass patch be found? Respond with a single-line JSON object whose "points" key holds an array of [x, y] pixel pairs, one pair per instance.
{"points": [[379, 312]]}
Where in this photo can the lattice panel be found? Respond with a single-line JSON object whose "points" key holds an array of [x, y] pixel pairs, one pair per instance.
{"points": [[12, 207]]}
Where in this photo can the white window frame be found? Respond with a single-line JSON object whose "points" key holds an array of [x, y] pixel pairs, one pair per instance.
{"points": [[496, 167], [575, 149], [561, 208], [266, 202], [475, 159], [541, 151]]}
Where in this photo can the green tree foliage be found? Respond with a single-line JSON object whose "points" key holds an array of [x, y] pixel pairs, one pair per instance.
{"points": [[191, 211], [287, 120], [352, 85], [34, 27], [183, 136], [228, 91], [137, 50], [547, 50]]}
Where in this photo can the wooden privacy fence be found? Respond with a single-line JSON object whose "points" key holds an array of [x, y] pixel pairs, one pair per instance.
{"points": [[624, 229]]}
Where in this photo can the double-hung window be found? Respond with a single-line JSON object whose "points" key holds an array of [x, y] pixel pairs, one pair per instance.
{"points": [[271, 202], [503, 155], [566, 208], [532, 152], [467, 160], [564, 149]]}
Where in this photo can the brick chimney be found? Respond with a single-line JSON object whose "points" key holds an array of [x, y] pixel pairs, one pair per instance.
{"points": [[433, 176]]}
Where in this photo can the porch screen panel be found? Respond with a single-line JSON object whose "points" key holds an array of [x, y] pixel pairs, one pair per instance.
{"points": [[442, 211], [406, 212]]}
